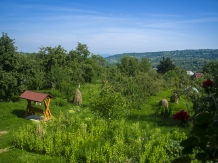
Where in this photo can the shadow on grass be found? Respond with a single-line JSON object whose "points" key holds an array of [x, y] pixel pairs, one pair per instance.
{"points": [[155, 119], [84, 105], [18, 113]]}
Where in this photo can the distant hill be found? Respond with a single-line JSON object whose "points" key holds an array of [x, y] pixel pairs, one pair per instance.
{"points": [[187, 59]]}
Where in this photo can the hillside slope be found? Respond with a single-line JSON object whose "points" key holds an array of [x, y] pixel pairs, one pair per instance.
{"points": [[187, 59]]}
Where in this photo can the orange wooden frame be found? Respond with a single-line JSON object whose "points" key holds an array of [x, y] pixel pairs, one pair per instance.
{"points": [[46, 112]]}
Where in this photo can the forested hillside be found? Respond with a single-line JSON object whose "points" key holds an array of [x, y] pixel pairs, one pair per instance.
{"points": [[186, 59]]}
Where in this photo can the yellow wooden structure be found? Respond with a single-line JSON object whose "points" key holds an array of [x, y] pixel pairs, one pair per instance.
{"points": [[37, 97]]}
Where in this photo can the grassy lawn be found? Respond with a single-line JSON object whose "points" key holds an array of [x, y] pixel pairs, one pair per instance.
{"points": [[12, 118]]}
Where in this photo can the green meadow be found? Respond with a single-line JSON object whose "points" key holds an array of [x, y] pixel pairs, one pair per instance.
{"points": [[76, 135]]}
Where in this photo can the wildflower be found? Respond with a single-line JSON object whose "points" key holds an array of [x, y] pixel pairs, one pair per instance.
{"points": [[182, 116], [208, 84]]}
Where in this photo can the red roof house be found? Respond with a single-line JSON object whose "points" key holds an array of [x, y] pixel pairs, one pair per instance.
{"points": [[197, 75]]}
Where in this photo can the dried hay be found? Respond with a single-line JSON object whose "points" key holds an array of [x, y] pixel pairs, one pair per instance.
{"points": [[163, 103], [77, 98], [3, 132], [4, 150], [40, 130], [174, 98]]}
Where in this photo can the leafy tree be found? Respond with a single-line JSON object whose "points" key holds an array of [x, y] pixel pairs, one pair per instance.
{"points": [[108, 104], [135, 88], [210, 69], [98, 64], [83, 66], [145, 65], [52, 57], [82, 51], [34, 74], [88, 72], [67, 90], [11, 80], [165, 65], [80, 54], [129, 65], [8, 56]]}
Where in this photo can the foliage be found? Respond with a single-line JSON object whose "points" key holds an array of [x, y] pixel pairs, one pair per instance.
{"points": [[11, 79], [181, 116], [107, 138], [67, 90], [89, 140], [123, 139], [210, 70], [135, 88], [193, 60], [34, 74], [60, 102], [166, 113], [165, 66], [204, 133], [129, 66], [109, 104]]}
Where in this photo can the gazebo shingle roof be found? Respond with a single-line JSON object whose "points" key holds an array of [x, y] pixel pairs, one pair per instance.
{"points": [[34, 96]]}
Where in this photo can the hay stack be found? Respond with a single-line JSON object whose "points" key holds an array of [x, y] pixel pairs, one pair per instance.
{"points": [[163, 103], [77, 98], [174, 98]]}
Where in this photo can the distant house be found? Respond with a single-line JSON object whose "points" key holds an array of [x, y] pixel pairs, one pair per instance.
{"points": [[154, 69], [197, 75], [190, 73]]}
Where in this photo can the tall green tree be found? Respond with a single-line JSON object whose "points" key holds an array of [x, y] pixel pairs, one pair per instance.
{"points": [[165, 65], [83, 66], [54, 62], [11, 79], [145, 65], [211, 69], [129, 65]]}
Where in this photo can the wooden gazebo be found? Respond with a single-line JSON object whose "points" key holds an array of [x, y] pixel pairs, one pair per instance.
{"points": [[37, 97]]}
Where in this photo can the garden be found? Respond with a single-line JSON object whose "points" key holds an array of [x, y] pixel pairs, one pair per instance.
{"points": [[126, 113]]}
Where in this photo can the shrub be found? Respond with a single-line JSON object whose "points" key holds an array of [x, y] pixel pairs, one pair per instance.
{"points": [[67, 90], [109, 104], [54, 93], [202, 141], [60, 102]]}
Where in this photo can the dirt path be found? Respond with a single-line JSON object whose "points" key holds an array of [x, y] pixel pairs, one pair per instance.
{"points": [[5, 149]]}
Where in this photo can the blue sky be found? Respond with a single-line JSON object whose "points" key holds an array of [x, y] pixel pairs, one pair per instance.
{"points": [[111, 26]]}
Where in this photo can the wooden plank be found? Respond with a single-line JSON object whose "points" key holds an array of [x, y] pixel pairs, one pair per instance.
{"points": [[36, 110]]}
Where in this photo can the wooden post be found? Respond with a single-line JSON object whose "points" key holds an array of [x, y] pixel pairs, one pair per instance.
{"points": [[47, 113], [28, 108]]}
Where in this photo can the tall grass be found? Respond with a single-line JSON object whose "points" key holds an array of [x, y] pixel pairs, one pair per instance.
{"points": [[90, 140]]}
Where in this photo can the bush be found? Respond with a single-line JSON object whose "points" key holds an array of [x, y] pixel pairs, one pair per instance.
{"points": [[67, 90], [54, 93], [109, 104], [60, 102]]}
